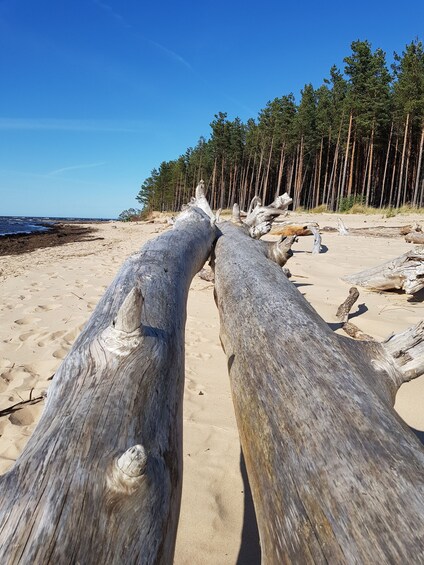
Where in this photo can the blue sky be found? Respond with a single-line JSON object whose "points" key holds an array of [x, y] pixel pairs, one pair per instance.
{"points": [[94, 93]]}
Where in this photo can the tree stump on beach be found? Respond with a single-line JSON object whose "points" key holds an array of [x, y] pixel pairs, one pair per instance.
{"points": [[336, 476], [100, 479]]}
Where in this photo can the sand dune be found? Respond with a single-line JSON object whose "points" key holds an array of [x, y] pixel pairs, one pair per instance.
{"points": [[48, 295]]}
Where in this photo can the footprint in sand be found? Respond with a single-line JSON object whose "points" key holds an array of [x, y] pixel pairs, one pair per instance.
{"points": [[26, 336], [26, 320], [49, 338], [21, 418], [46, 308], [60, 353]]}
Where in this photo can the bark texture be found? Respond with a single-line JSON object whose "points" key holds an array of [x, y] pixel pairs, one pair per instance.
{"points": [[336, 477], [100, 479]]}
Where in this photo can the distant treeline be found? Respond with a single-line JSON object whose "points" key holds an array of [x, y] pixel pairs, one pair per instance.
{"points": [[358, 137]]}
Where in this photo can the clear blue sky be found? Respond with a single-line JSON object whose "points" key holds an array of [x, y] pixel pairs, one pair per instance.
{"points": [[95, 93]]}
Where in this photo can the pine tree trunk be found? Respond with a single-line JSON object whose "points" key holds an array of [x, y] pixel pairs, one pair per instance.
{"points": [[367, 199], [352, 168], [405, 137], [265, 187], [280, 169], [392, 182], [346, 155], [383, 184], [418, 173], [408, 155], [317, 200]]}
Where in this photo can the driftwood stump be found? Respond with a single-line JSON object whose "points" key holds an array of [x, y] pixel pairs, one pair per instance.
{"points": [[100, 479], [403, 273], [336, 476]]}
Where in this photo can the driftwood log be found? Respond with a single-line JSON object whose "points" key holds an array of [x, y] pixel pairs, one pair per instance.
{"points": [[403, 273], [336, 476], [100, 479]]}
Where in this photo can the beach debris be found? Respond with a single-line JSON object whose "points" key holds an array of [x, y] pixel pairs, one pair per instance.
{"points": [[341, 227], [342, 315], [280, 251], [206, 274], [308, 399], [402, 273]]}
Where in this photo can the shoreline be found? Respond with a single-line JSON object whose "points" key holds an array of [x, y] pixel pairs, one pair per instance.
{"points": [[59, 233]]}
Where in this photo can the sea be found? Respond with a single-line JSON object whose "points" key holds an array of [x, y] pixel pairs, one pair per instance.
{"points": [[11, 225]]}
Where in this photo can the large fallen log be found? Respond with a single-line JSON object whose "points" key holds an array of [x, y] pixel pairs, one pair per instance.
{"points": [[100, 479], [403, 273], [336, 476]]}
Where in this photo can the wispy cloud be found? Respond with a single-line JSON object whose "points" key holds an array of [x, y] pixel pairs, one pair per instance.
{"points": [[76, 125], [112, 12], [171, 54], [168, 52], [73, 168]]}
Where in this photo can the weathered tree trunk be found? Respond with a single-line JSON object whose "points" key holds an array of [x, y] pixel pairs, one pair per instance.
{"points": [[403, 273], [259, 218], [336, 477], [100, 479]]}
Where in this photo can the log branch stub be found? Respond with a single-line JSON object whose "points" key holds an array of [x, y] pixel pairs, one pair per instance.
{"points": [[344, 309], [280, 251], [128, 319], [317, 248], [342, 229], [133, 462]]}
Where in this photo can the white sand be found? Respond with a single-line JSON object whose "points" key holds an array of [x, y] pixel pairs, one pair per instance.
{"points": [[48, 295]]}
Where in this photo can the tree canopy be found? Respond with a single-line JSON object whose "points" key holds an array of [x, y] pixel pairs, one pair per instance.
{"points": [[357, 136]]}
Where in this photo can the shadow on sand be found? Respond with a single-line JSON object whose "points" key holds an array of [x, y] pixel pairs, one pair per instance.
{"points": [[250, 549]]}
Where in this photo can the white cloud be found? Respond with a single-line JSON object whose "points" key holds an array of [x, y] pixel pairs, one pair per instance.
{"points": [[74, 167]]}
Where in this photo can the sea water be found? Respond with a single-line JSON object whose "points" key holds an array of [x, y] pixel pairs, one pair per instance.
{"points": [[11, 225]]}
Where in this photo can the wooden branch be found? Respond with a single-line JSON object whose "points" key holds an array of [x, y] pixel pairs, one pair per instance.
{"points": [[236, 218], [335, 476], [403, 273], [289, 228], [317, 238], [280, 251], [342, 315], [259, 219], [407, 349], [341, 227], [343, 310], [416, 237], [100, 479]]}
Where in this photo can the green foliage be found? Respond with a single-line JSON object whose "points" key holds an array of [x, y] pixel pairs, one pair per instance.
{"points": [[130, 215], [346, 203], [346, 136]]}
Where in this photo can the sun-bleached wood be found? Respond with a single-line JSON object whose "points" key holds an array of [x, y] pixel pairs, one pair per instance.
{"points": [[416, 237], [100, 479], [342, 229], [280, 251], [403, 273], [259, 218], [336, 477]]}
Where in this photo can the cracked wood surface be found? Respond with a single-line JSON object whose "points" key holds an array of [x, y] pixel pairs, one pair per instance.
{"points": [[336, 476], [100, 479]]}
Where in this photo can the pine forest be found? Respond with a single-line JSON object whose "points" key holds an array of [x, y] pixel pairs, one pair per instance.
{"points": [[358, 138]]}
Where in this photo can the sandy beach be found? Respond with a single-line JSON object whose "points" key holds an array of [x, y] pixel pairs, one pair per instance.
{"points": [[47, 295]]}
